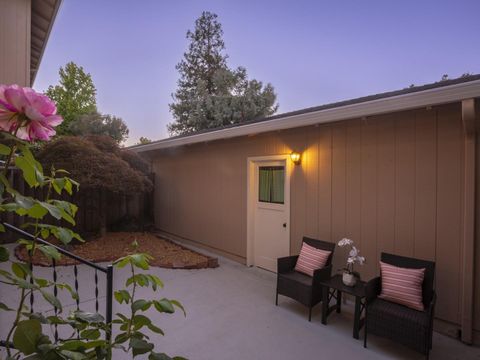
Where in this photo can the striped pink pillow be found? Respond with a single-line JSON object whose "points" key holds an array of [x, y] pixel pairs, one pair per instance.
{"points": [[402, 285], [311, 259]]}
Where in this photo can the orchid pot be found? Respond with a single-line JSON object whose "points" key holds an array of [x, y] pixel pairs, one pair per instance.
{"points": [[349, 279], [350, 276]]}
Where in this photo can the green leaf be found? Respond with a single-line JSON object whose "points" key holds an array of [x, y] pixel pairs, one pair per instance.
{"points": [[164, 305], [58, 185], [49, 251], [5, 150], [52, 209], [141, 304], [120, 263], [140, 321], [155, 280], [73, 355], [37, 211], [2, 228], [139, 279], [121, 338], [4, 307], [4, 254], [179, 305], [26, 336], [20, 270], [88, 317], [158, 356], [42, 282], [141, 260], [52, 299], [140, 346], [72, 292], [122, 296], [155, 329], [28, 170], [90, 334]]}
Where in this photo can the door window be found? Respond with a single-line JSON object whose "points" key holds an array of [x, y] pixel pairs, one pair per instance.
{"points": [[271, 184]]}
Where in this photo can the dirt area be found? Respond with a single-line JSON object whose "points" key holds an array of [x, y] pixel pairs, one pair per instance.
{"points": [[112, 246]]}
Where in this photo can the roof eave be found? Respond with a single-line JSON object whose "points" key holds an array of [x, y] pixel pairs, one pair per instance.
{"points": [[41, 34], [431, 97]]}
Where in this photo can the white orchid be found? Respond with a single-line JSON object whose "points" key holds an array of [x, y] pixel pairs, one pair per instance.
{"points": [[345, 242], [353, 255]]}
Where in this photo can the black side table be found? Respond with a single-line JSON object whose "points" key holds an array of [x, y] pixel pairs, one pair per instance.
{"points": [[333, 288]]}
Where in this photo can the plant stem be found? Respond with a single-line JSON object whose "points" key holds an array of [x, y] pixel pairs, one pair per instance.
{"points": [[129, 331], [15, 323]]}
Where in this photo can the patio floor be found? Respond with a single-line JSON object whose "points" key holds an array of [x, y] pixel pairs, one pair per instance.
{"points": [[231, 316]]}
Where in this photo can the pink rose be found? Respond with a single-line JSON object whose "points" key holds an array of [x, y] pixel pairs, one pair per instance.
{"points": [[30, 114]]}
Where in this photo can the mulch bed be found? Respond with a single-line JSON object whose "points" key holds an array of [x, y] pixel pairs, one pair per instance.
{"points": [[112, 246]]}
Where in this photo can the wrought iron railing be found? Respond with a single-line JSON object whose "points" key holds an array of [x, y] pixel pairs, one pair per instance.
{"points": [[108, 271]]}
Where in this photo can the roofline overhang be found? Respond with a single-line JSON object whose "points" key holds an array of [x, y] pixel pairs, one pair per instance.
{"points": [[51, 21], [430, 97]]}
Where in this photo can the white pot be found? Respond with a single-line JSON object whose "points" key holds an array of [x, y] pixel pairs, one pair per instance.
{"points": [[349, 279]]}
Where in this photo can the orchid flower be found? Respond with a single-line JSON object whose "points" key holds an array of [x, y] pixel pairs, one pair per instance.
{"points": [[27, 114], [353, 254]]}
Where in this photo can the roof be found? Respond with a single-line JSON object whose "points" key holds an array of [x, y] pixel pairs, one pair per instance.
{"points": [[437, 93], [43, 17]]}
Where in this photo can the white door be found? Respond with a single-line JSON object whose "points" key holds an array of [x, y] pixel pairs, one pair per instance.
{"points": [[271, 214]]}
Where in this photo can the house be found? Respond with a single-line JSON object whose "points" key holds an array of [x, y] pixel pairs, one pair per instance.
{"points": [[395, 172], [25, 26]]}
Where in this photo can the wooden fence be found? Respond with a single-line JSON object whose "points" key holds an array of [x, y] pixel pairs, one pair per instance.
{"points": [[134, 208]]}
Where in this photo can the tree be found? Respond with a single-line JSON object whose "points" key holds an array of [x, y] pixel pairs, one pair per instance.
{"points": [[75, 95], [143, 141], [97, 162], [99, 124], [209, 93]]}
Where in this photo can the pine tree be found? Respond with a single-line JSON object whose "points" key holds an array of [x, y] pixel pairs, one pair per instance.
{"points": [[75, 95], [209, 94]]}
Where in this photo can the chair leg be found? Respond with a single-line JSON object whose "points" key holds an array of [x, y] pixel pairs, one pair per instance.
{"points": [[276, 299], [310, 313], [365, 335]]}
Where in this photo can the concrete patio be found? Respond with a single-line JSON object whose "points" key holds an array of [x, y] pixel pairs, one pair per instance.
{"points": [[231, 316]]}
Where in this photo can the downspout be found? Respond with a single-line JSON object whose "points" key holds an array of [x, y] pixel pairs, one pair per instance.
{"points": [[469, 127]]}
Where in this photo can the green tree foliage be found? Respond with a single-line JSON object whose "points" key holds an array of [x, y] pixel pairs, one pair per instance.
{"points": [[97, 162], [143, 141], [209, 93], [75, 95], [99, 124]]}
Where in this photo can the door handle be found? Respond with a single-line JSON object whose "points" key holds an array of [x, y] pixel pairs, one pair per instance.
{"points": [[284, 225]]}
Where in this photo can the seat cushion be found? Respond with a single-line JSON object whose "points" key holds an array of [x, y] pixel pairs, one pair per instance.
{"points": [[395, 313], [402, 285], [311, 259], [297, 277]]}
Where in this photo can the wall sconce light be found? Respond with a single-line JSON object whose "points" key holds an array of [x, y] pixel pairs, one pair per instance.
{"points": [[295, 157]]}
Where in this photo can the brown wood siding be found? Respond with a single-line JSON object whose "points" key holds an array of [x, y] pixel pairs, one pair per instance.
{"points": [[15, 42], [391, 183]]}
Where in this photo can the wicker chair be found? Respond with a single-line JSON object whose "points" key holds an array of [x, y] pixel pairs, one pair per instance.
{"points": [[399, 323], [298, 286]]}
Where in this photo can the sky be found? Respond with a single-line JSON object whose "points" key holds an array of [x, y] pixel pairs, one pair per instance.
{"points": [[312, 52]]}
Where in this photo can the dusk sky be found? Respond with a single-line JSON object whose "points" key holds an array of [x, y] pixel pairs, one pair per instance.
{"points": [[312, 52]]}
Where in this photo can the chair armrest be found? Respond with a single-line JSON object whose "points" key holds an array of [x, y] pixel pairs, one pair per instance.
{"points": [[372, 289], [322, 274], [431, 306], [286, 264]]}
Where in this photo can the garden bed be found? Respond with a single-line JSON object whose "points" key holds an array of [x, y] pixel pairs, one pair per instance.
{"points": [[112, 246]]}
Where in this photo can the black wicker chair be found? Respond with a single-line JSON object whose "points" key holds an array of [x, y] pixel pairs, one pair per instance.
{"points": [[298, 286], [399, 323]]}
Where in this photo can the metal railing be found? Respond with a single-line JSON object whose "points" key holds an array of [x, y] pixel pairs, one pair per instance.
{"points": [[108, 271]]}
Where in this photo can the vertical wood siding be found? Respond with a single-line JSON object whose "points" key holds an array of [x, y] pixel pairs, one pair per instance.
{"points": [[391, 183], [15, 42]]}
